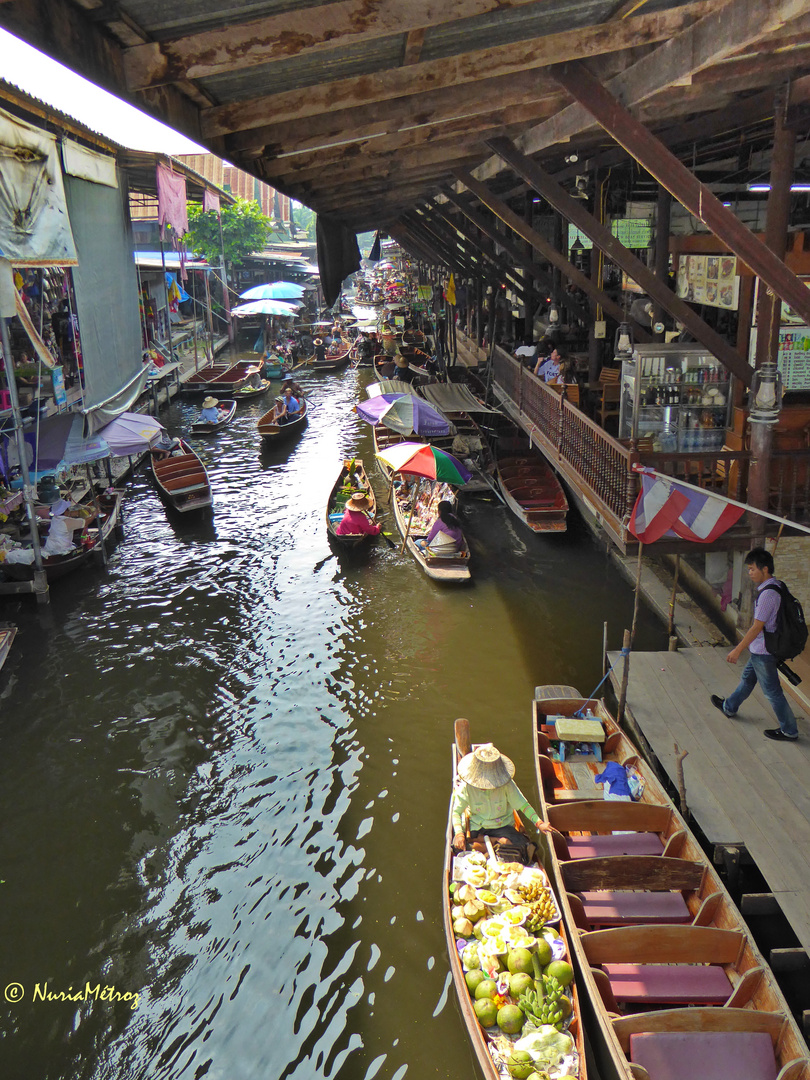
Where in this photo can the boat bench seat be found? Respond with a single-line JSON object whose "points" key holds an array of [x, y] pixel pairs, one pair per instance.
{"points": [[711, 1055], [621, 843], [617, 907], [675, 984], [179, 485]]}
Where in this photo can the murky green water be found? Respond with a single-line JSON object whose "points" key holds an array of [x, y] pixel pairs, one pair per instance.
{"points": [[225, 772]]}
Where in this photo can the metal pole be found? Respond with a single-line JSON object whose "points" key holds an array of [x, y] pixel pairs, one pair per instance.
{"points": [[226, 299], [166, 293], [40, 585]]}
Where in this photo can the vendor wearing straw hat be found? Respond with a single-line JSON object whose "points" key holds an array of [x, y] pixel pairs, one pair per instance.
{"points": [[210, 410], [355, 520], [486, 789]]}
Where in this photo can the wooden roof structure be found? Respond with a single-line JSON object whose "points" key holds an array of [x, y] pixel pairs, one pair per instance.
{"points": [[376, 112]]}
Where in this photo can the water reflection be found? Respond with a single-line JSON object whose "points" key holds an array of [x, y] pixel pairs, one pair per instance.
{"points": [[226, 762]]}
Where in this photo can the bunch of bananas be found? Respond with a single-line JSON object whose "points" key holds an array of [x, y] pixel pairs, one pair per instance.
{"points": [[540, 912], [543, 1006], [534, 890]]}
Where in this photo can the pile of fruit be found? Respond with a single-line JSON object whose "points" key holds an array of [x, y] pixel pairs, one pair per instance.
{"points": [[514, 966]]}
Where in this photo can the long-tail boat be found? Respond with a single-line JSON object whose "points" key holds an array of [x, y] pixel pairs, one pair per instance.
{"points": [[530, 487], [501, 888], [678, 989], [181, 479]]}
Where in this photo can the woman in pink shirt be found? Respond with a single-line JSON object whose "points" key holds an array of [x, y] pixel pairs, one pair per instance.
{"points": [[355, 521]]}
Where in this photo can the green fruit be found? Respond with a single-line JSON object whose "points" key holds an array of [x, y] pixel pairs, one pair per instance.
{"points": [[473, 978], [562, 971], [520, 982], [486, 1011], [544, 953], [519, 960], [520, 1064], [510, 1019], [487, 988]]}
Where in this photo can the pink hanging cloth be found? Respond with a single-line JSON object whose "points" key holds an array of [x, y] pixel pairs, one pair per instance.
{"points": [[172, 205], [210, 201]]}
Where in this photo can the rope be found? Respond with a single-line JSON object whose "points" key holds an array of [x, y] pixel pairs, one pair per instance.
{"points": [[624, 652]]}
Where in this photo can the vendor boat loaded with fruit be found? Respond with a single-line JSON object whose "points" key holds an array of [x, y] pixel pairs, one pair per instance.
{"points": [[508, 952], [673, 984]]}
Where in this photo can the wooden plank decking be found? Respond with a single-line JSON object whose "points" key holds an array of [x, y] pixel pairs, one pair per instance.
{"points": [[742, 789]]}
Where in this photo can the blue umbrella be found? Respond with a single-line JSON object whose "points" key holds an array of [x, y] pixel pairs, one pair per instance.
{"points": [[274, 290], [404, 413]]}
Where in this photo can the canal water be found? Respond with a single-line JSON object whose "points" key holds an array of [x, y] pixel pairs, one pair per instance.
{"points": [[225, 772]]}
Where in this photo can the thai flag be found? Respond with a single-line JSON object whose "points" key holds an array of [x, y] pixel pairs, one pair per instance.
{"points": [[664, 508]]}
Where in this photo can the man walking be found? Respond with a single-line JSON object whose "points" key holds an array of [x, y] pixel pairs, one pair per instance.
{"points": [[762, 666]]}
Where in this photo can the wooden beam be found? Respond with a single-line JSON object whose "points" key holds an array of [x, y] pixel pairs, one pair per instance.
{"points": [[413, 47], [440, 223], [684, 186], [730, 25], [539, 243], [468, 68], [500, 267], [575, 212]]}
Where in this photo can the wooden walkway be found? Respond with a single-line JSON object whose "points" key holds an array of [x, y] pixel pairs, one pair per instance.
{"points": [[743, 790]]}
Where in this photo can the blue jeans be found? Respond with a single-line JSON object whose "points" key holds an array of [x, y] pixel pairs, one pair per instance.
{"points": [[762, 669]]}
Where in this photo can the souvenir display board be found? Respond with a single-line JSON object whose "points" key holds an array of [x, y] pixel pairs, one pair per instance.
{"points": [[680, 395], [710, 280], [793, 358]]}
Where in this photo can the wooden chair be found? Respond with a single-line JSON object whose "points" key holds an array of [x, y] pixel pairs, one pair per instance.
{"points": [[610, 394]]}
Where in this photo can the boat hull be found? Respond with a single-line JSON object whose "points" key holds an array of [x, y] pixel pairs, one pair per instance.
{"points": [[182, 481], [336, 504], [450, 570], [227, 409], [272, 431]]}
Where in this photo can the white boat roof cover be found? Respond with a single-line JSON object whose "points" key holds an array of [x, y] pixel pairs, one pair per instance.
{"points": [[453, 398]]}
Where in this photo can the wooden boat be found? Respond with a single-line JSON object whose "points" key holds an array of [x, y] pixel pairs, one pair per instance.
{"points": [[530, 488], [199, 380], [270, 428], [675, 981], [181, 479], [57, 566], [226, 409], [352, 477], [334, 361], [246, 392], [229, 381], [491, 1046], [7, 634], [452, 568]]}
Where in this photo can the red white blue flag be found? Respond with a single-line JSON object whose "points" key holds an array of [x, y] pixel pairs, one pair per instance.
{"points": [[666, 509]]}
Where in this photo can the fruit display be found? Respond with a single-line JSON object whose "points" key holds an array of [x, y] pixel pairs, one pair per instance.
{"points": [[516, 971]]}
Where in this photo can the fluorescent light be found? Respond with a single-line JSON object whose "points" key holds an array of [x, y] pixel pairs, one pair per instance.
{"points": [[767, 187]]}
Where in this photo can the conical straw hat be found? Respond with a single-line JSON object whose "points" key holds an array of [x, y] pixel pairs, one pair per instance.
{"points": [[486, 768]]}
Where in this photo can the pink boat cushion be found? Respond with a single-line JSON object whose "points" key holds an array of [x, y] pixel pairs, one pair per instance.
{"points": [[671, 984], [630, 843], [710, 1055], [617, 907]]}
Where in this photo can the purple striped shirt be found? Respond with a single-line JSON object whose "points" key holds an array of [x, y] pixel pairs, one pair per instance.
{"points": [[766, 610]]}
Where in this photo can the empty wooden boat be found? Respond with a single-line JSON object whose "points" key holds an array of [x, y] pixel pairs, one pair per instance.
{"points": [[531, 488], [502, 888], [199, 380], [229, 381], [181, 479], [677, 987], [271, 428]]}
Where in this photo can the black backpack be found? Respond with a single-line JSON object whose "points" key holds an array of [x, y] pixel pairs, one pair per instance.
{"points": [[790, 636]]}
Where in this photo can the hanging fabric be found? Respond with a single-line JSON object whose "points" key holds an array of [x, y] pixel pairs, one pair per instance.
{"points": [[172, 204], [210, 202]]}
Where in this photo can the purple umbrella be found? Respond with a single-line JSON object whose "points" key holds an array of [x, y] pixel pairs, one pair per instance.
{"points": [[405, 414]]}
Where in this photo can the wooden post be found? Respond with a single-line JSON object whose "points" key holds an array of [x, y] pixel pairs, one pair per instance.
{"points": [[637, 599], [408, 527], [671, 626], [625, 677], [604, 647], [662, 219]]}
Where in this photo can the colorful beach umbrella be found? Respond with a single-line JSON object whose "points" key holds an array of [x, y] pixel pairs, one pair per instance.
{"points": [[422, 459], [405, 413], [274, 290]]}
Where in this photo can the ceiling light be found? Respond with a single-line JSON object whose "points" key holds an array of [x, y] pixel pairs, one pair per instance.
{"points": [[571, 159], [767, 187]]}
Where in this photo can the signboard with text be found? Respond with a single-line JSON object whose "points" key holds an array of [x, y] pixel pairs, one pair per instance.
{"points": [[793, 358]]}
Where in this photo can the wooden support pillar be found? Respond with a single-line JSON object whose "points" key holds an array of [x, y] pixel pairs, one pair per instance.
{"points": [[662, 217], [528, 318], [769, 306]]}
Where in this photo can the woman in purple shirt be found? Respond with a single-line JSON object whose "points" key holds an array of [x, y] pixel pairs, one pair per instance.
{"points": [[446, 529]]}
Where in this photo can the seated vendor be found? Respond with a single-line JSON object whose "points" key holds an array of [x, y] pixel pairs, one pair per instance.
{"points": [[355, 520], [485, 789], [210, 411], [320, 349], [62, 527], [445, 534]]}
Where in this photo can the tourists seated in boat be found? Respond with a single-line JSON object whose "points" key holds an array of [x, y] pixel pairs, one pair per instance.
{"points": [[290, 407], [365, 350], [355, 520], [320, 349], [167, 447], [210, 411], [445, 536], [403, 372], [291, 384], [484, 799], [62, 527]]}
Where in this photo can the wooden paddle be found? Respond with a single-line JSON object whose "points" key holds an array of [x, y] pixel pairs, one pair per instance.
{"points": [[387, 537]]}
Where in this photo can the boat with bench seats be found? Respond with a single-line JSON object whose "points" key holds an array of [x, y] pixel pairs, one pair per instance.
{"points": [[181, 479], [677, 987], [530, 487]]}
